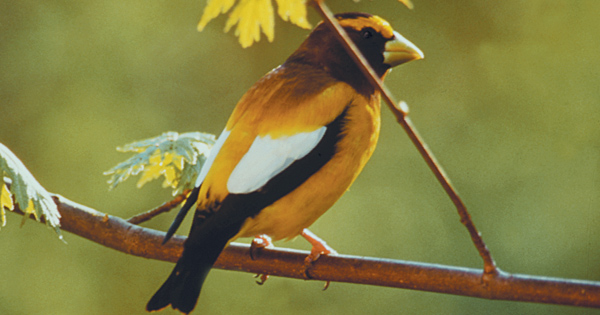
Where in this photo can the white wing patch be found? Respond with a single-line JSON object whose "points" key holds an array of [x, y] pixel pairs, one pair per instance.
{"points": [[268, 157], [211, 157]]}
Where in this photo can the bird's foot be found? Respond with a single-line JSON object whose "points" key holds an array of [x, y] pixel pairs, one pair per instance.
{"points": [[319, 247], [258, 243]]}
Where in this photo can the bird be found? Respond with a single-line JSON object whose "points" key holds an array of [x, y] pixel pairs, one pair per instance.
{"points": [[295, 142]]}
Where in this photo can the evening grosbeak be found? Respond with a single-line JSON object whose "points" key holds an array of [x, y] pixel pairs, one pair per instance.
{"points": [[292, 146]]}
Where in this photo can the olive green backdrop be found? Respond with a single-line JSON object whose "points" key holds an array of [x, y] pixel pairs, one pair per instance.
{"points": [[508, 97]]}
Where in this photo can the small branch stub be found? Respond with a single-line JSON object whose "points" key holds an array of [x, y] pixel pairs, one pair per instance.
{"points": [[402, 107]]}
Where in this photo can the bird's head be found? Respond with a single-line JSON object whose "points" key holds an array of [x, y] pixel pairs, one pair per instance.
{"points": [[379, 43]]}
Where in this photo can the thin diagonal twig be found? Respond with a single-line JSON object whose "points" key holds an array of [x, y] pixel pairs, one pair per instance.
{"points": [[400, 110]]}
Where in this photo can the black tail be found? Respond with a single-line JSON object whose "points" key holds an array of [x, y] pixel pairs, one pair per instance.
{"points": [[182, 288]]}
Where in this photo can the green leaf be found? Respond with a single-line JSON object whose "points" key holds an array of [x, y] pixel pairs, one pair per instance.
{"points": [[176, 157], [31, 197]]}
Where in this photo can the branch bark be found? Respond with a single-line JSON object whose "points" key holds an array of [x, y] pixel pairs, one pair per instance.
{"points": [[117, 233]]}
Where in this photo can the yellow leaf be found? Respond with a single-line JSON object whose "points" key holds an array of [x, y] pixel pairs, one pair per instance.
{"points": [[408, 3], [152, 171], [251, 16], [170, 177], [166, 160], [162, 165], [254, 16], [169, 164], [5, 202], [6, 198], [293, 11], [31, 210], [212, 10]]}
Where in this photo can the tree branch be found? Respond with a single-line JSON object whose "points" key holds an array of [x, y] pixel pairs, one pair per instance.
{"points": [[117, 233]]}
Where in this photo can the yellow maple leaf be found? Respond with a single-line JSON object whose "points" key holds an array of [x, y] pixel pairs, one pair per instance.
{"points": [[213, 9], [293, 11], [407, 3], [252, 16]]}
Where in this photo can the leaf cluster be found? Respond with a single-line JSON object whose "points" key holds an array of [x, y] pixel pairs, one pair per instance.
{"points": [[31, 197], [176, 157]]}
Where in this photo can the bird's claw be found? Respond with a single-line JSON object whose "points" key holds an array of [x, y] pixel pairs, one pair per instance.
{"points": [[315, 253], [318, 250], [319, 247], [263, 278]]}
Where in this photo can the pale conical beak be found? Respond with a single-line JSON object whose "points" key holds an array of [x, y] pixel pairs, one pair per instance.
{"points": [[399, 50]]}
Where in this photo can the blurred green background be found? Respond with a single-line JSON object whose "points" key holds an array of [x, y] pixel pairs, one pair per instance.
{"points": [[508, 98]]}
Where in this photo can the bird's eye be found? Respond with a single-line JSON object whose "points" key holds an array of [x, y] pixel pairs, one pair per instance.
{"points": [[367, 34]]}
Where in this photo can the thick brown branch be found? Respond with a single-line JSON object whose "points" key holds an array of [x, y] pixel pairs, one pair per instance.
{"points": [[117, 233]]}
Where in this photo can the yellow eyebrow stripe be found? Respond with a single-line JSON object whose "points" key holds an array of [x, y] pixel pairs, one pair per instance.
{"points": [[378, 24]]}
